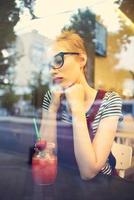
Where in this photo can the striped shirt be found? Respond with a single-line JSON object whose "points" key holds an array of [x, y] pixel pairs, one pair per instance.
{"points": [[110, 106]]}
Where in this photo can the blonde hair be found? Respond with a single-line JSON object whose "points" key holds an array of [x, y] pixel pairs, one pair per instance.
{"points": [[72, 41]]}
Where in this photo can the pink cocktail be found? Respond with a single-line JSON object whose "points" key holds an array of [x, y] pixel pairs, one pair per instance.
{"points": [[44, 167]]}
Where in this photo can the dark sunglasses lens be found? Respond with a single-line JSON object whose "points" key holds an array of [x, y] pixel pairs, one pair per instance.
{"points": [[56, 62]]}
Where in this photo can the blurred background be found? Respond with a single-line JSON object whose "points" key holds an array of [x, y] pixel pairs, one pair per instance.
{"points": [[27, 27]]}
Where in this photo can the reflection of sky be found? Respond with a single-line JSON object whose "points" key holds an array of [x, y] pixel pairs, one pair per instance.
{"points": [[49, 10], [126, 56], [31, 48], [49, 26], [104, 8]]}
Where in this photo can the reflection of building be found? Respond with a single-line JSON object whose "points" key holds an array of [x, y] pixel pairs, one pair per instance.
{"points": [[7, 61], [32, 47], [101, 39], [3, 70]]}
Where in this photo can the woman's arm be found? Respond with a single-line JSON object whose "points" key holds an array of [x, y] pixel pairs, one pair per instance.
{"points": [[91, 157], [49, 115], [48, 125]]}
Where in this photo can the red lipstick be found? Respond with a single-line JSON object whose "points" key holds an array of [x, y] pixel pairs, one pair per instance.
{"points": [[57, 80]]}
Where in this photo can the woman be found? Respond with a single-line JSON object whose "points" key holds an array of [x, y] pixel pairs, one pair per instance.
{"points": [[74, 99]]}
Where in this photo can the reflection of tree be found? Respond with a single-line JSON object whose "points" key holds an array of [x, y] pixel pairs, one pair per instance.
{"points": [[9, 16], [123, 42], [29, 4], [9, 99], [83, 22], [132, 74], [38, 89]]}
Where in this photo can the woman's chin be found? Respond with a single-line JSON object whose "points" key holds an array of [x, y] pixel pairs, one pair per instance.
{"points": [[65, 86]]}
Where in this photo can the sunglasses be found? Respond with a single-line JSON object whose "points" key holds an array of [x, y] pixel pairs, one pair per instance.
{"points": [[58, 60]]}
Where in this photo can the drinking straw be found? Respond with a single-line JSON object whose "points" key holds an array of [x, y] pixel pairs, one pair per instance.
{"points": [[36, 129]]}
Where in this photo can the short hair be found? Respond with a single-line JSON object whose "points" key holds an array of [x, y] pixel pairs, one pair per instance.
{"points": [[72, 41]]}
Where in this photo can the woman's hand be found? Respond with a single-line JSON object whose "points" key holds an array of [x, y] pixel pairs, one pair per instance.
{"points": [[55, 101], [75, 97]]}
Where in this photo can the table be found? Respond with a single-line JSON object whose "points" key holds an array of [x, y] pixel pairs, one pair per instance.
{"points": [[16, 183]]}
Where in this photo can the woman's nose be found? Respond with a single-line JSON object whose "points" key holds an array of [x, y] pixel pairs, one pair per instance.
{"points": [[53, 71]]}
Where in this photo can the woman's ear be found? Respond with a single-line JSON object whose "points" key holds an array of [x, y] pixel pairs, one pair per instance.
{"points": [[83, 60]]}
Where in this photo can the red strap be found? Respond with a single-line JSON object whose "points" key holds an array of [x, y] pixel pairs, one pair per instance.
{"points": [[94, 110]]}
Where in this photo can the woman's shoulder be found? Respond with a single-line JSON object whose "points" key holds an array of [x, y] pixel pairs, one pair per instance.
{"points": [[110, 94], [111, 104], [111, 97]]}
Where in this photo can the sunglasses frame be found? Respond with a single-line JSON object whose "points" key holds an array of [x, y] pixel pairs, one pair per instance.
{"points": [[62, 56]]}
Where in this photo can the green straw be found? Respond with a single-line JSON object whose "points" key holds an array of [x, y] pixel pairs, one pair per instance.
{"points": [[36, 129]]}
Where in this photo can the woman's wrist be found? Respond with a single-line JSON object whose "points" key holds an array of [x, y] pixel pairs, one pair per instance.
{"points": [[78, 113], [53, 109], [77, 110]]}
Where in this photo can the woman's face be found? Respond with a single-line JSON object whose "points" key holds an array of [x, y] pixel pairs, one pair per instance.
{"points": [[66, 68]]}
